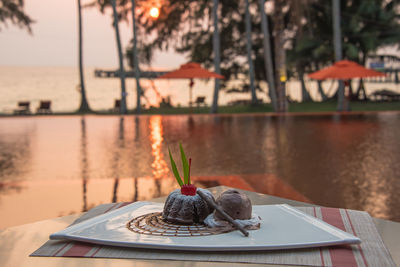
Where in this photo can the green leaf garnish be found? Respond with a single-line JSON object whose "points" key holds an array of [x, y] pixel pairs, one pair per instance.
{"points": [[175, 170], [185, 164]]}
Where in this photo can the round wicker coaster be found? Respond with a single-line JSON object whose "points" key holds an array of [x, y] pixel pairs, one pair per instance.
{"points": [[153, 224]]}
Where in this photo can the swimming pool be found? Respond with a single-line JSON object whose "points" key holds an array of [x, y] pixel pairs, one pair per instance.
{"points": [[58, 165]]}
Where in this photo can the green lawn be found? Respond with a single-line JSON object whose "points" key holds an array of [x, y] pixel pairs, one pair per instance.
{"points": [[206, 110], [329, 106], [308, 107]]}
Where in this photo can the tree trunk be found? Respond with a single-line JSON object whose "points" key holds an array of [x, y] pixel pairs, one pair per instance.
{"points": [[305, 95], [269, 69], [337, 39], [249, 58], [120, 58], [84, 107], [216, 48], [280, 56], [321, 91], [361, 89], [136, 61], [351, 93]]}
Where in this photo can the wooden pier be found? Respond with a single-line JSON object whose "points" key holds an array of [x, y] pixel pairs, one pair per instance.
{"points": [[392, 75], [128, 74]]}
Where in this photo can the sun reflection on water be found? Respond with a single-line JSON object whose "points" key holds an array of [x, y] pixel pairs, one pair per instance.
{"points": [[160, 167]]}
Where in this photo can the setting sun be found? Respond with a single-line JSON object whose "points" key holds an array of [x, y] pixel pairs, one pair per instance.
{"points": [[154, 12]]}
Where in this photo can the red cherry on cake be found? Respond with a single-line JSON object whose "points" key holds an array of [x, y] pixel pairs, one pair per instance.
{"points": [[188, 189]]}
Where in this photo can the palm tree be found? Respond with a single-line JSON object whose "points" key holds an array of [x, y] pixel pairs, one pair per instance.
{"points": [[280, 54], [120, 59], [337, 43], [84, 107], [135, 60], [268, 57], [12, 12], [250, 60], [216, 48], [103, 4]]}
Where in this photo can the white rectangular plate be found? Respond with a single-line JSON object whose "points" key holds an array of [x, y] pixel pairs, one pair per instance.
{"points": [[282, 227]]}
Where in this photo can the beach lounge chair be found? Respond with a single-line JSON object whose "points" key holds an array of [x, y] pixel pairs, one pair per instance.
{"points": [[200, 100], [243, 102], [385, 95], [23, 108], [117, 106], [44, 107]]}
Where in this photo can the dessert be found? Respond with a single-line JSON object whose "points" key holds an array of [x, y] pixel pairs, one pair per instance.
{"points": [[186, 209], [184, 206], [235, 204]]}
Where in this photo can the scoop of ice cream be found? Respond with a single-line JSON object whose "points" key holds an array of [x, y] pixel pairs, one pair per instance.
{"points": [[235, 204]]}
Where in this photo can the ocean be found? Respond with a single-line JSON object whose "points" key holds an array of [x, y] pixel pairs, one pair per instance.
{"points": [[59, 84]]}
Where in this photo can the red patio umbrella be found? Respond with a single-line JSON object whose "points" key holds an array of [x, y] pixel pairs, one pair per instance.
{"points": [[190, 71], [344, 70]]}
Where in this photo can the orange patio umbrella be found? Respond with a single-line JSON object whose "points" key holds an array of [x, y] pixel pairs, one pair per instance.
{"points": [[344, 70], [191, 71]]}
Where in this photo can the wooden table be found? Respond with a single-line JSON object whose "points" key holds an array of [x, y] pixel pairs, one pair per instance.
{"points": [[16, 243]]}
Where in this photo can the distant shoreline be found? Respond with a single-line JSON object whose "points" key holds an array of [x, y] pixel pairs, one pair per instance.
{"points": [[59, 85]]}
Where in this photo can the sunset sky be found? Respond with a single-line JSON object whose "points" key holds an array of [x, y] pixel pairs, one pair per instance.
{"points": [[55, 38]]}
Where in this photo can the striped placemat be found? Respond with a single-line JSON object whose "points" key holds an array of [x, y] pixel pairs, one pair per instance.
{"points": [[371, 251]]}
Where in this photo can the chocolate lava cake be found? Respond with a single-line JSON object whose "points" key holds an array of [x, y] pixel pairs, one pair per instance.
{"points": [[186, 209]]}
